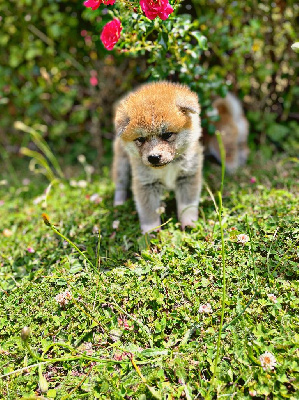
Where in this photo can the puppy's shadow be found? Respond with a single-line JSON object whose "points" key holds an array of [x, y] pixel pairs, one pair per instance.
{"points": [[170, 207]]}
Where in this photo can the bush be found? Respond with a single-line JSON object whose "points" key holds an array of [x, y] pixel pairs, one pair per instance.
{"points": [[56, 72], [49, 58]]}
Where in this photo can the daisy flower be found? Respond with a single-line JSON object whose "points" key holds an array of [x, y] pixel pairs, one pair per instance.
{"points": [[205, 308], [272, 297], [115, 224], [268, 361], [63, 298], [242, 238]]}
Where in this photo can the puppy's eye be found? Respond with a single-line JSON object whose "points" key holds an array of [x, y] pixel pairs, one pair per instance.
{"points": [[167, 135], [140, 140]]}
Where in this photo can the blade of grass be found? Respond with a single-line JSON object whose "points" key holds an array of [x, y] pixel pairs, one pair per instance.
{"points": [[268, 254], [41, 160], [98, 258], [41, 144], [81, 357], [48, 223], [145, 329], [153, 392], [67, 396], [256, 291], [220, 210], [6, 158]]}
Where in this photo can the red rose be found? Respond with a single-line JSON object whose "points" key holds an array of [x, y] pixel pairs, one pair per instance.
{"points": [[111, 33], [94, 4], [154, 8]]}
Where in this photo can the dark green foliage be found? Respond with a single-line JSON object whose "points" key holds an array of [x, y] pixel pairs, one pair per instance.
{"points": [[48, 54], [50, 49]]}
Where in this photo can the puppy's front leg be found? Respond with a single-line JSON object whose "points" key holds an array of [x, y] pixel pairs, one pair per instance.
{"points": [[121, 173], [187, 193], [147, 198]]}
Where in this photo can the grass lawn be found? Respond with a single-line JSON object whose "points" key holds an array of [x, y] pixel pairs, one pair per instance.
{"points": [[142, 317]]}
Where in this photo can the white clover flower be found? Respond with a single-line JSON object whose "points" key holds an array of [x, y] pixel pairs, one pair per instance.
{"points": [[295, 47], [39, 199], [268, 361], [95, 229], [7, 232], [63, 298], [252, 393], [25, 181], [73, 183], [87, 347], [205, 308], [243, 238], [82, 158], [115, 224], [82, 184], [95, 198], [272, 297], [89, 169], [160, 210]]}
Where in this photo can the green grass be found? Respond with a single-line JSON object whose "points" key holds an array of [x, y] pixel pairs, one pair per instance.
{"points": [[138, 304]]}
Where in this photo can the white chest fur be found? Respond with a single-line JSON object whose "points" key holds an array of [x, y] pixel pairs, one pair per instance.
{"points": [[168, 175]]}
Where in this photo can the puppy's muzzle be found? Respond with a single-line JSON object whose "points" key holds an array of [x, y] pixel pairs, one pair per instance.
{"points": [[154, 159]]}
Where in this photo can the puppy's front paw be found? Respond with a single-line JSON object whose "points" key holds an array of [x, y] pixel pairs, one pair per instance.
{"points": [[188, 217], [186, 224], [243, 155], [120, 197], [152, 227], [231, 166]]}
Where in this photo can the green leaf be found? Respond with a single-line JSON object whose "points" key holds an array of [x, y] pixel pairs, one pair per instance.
{"points": [[154, 352], [201, 39], [43, 384], [32, 52], [16, 56], [51, 393], [163, 40], [277, 132]]}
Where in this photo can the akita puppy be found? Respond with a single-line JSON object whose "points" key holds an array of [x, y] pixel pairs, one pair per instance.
{"points": [[157, 138]]}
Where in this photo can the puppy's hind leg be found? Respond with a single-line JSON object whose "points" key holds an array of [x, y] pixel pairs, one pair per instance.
{"points": [[121, 173]]}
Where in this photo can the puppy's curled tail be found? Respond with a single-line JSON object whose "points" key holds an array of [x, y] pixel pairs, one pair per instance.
{"points": [[229, 105]]}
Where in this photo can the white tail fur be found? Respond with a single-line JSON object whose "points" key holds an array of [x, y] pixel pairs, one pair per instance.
{"points": [[231, 104], [234, 106]]}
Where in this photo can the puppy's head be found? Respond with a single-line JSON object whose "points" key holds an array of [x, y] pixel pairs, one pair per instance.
{"points": [[158, 122]]}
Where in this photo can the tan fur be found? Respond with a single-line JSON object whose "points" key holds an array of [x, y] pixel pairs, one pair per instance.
{"points": [[233, 127], [142, 120], [154, 104]]}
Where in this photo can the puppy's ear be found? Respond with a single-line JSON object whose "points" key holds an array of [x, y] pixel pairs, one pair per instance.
{"points": [[121, 118], [188, 103]]}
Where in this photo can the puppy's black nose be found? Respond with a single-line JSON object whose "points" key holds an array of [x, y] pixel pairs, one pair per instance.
{"points": [[154, 159]]}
